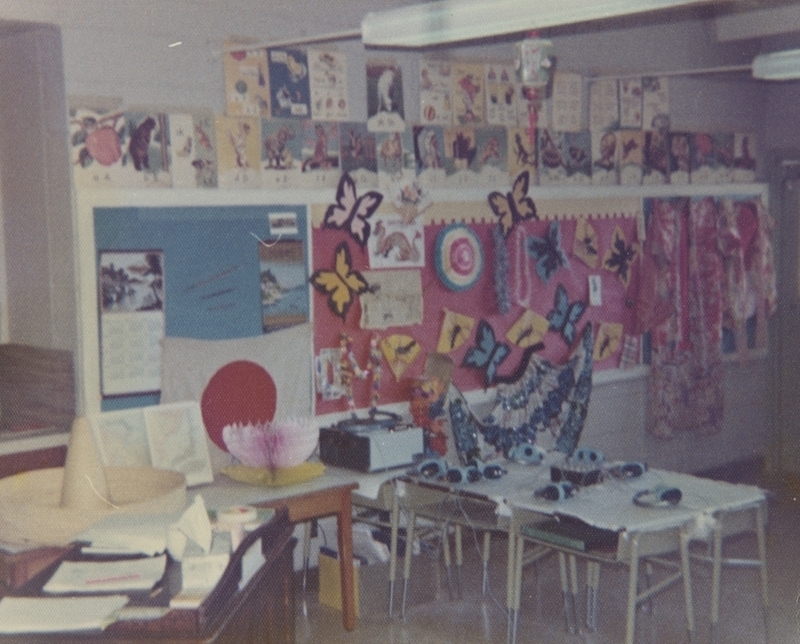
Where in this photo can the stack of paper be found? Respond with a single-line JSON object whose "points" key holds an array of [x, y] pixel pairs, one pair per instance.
{"points": [[55, 614], [107, 576]]}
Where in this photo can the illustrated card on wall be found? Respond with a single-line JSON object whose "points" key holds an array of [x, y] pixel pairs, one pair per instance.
{"points": [[468, 94], [395, 156], [193, 151], [630, 103], [358, 153], [281, 153], [744, 157], [96, 139], [436, 107], [460, 156], [131, 296], [655, 102], [491, 160], [247, 83], [147, 155], [320, 154], [393, 299], [429, 155], [328, 85], [284, 281], [385, 110], [712, 158], [680, 157], [502, 95], [396, 244], [655, 157], [522, 153], [631, 144], [605, 158], [567, 102], [238, 151], [565, 157], [289, 84], [603, 105]]}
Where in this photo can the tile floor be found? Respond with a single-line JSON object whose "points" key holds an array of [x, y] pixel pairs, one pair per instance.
{"points": [[477, 619]]}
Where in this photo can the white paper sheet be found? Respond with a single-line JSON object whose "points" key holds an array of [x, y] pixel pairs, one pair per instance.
{"points": [[107, 576], [52, 614]]}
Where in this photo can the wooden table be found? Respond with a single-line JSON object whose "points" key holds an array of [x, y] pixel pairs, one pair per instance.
{"points": [[327, 495]]}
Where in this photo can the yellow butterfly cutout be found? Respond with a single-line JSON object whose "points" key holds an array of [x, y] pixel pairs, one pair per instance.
{"points": [[341, 284], [585, 245], [456, 329], [529, 329], [513, 206], [400, 351], [608, 341]]}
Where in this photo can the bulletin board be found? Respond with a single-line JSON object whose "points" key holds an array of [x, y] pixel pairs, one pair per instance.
{"points": [[229, 271], [478, 300]]}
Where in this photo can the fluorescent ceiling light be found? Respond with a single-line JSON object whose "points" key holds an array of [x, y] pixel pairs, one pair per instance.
{"points": [[780, 65], [447, 21]]}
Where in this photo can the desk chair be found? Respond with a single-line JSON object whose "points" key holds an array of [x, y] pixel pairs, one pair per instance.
{"points": [[728, 523]]}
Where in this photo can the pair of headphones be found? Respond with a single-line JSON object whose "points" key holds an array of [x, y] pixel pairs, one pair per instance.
{"points": [[526, 453], [588, 456], [661, 496], [556, 491]]}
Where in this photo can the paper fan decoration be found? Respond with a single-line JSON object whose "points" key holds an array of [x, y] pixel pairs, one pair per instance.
{"points": [[459, 257], [456, 329], [239, 392], [584, 247], [273, 445], [528, 330], [620, 256], [608, 341], [400, 351]]}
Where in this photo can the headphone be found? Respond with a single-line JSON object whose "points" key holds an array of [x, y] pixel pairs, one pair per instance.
{"points": [[587, 456], [556, 491], [468, 474], [432, 468], [661, 496], [526, 453]]}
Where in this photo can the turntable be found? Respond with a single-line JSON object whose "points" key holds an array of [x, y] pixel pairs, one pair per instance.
{"points": [[380, 441]]}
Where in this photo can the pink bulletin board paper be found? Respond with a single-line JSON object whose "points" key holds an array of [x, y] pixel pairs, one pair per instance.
{"points": [[478, 302]]}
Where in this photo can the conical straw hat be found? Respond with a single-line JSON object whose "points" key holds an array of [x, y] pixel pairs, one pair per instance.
{"points": [[52, 506]]}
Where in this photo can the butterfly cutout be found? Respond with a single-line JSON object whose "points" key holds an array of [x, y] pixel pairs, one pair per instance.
{"points": [[513, 206], [528, 330], [487, 354], [400, 351], [341, 284], [547, 252], [608, 340], [456, 329], [565, 315], [620, 256], [584, 247], [352, 212]]}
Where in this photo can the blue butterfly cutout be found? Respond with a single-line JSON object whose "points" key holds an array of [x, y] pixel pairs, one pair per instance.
{"points": [[487, 353], [547, 252], [564, 315]]}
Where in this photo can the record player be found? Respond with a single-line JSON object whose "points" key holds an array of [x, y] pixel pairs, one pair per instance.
{"points": [[380, 441]]}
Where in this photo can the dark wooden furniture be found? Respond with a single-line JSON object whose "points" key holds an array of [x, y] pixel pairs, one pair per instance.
{"points": [[262, 612]]}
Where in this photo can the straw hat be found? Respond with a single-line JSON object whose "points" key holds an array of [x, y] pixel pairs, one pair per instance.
{"points": [[51, 506]]}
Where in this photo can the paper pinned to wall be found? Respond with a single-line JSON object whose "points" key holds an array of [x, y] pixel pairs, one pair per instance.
{"points": [[393, 299]]}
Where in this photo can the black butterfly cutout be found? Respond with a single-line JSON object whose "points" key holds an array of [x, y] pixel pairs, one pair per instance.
{"points": [[513, 206], [620, 256]]}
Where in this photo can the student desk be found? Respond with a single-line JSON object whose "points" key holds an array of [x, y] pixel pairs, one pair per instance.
{"points": [[644, 533]]}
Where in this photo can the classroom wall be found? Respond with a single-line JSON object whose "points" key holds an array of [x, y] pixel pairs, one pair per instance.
{"points": [[120, 50]]}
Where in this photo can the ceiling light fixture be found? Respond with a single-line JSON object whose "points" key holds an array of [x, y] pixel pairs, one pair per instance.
{"points": [[779, 65], [448, 21]]}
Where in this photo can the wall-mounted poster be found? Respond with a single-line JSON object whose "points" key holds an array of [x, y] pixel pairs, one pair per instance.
{"points": [[358, 153], [319, 167], [435, 104], [238, 153], [328, 84], [396, 159], [289, 85], [469, 106], [502, 95], [193, 151], [429, 154], [385, 110], [131, 295], [247, 83], [281, 153]]}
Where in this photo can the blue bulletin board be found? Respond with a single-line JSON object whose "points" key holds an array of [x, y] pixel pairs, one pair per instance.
{"points": [[215, 259]]}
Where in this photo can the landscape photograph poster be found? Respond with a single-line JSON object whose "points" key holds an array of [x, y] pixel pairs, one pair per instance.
{"points": [[284, 284]]}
